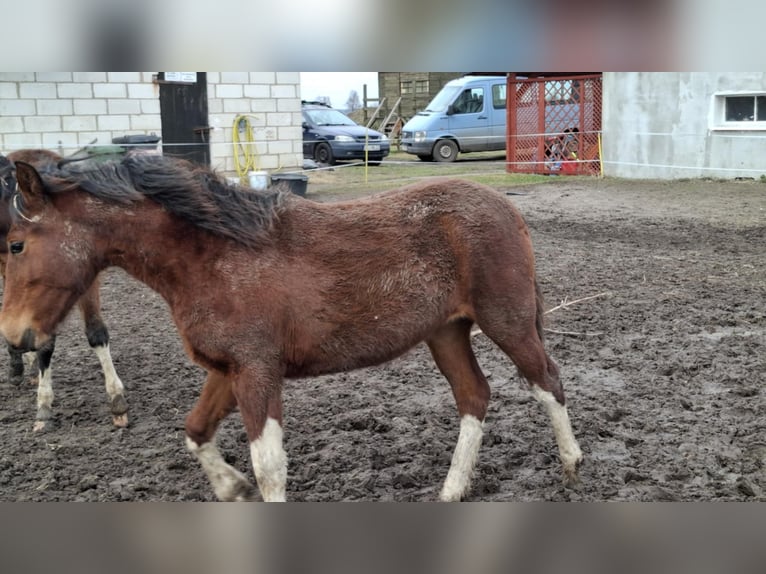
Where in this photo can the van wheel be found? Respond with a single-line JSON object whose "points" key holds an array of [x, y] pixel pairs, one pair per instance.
{"points": [[426, 157], [323, 154], [445, 150]]}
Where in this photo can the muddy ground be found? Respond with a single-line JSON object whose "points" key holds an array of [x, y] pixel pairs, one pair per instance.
{"points": [[664, 371]]}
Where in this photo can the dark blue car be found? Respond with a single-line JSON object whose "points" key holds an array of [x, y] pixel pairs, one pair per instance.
{"points": [[330, 136]]}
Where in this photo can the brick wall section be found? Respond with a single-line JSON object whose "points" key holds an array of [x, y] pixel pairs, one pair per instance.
{"points": [[65, 111]]}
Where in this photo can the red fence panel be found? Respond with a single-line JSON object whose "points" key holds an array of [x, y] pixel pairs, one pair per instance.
{"points": [[554, 124]]}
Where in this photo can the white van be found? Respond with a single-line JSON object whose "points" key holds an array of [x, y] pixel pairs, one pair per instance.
{"points": [[467, 115]]}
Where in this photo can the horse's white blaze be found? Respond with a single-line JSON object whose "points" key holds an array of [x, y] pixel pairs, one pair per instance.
{"points": [[463, 459], [226, 480], [569, 450], [270, 462], [114, 385]]}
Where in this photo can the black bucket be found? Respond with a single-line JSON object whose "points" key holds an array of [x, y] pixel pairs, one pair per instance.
{"points": [[295, 182], [137, 141]]}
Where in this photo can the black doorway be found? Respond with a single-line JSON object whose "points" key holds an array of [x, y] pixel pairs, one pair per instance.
{"points": [[184, 115]]}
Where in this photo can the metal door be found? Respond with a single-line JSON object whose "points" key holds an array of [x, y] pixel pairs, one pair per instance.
{"points": [[184, 114]]}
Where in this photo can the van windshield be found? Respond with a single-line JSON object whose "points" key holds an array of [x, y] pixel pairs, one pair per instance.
{"points": [[443, 99]]}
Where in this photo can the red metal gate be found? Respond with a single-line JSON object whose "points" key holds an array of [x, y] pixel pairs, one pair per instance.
{"points": [[554, 124]]}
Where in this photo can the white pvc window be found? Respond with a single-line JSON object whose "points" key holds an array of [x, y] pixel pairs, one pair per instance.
{"points": [[739, 112]]}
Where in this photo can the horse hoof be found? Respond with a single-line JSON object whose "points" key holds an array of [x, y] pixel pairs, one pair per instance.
{"points": [[119, 405], [16, 379], [42, 426], [572, 476], [572, 481], [120, 421], [243, 492]]}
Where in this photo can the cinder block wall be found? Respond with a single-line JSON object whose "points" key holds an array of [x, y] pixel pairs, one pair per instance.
{"points": [[65, 111], [272, 104]]}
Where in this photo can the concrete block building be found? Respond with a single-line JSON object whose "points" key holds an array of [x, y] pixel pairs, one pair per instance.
{"points": [[193, 113]]}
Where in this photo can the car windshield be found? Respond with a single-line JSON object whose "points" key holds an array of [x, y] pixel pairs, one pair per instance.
{"points": [[329, 117], [443, 99]]}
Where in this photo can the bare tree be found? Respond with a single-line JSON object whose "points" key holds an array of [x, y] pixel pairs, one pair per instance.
{"points": [[353, 102]]}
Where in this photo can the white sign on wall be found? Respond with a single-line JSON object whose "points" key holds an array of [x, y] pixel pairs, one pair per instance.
{"points": [[186, 77]]}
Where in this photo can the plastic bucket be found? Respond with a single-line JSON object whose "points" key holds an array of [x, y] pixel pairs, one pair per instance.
{"points": [[295, 182], [258, 179]]}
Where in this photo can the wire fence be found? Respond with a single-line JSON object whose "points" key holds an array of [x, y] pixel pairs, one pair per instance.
{"points": [[599, 164]]}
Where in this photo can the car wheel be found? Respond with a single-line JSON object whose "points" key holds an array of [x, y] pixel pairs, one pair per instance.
{"points": [[323, 154], [425, 157], [445, 150]]}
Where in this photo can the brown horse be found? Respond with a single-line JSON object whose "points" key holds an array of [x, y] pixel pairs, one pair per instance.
{"points": [[89, 304], [267, 285]]}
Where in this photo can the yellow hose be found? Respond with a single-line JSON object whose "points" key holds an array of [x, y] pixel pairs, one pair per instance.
{"points": [[245, 156], [600, 157]]}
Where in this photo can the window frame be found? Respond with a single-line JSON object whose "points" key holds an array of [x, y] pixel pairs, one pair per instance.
{"points": [[499, 103], [718, 121]]}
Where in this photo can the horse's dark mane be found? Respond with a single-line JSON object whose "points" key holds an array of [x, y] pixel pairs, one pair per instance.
{"points": [[197, 194], [7, 181]]}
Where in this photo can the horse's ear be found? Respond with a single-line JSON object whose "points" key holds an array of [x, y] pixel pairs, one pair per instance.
{"points": [[31, 185]]}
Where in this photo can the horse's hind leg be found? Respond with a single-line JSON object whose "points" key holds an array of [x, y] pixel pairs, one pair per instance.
{"points": [[451, 349], [215, 403], [522, 342], [98, 339]]}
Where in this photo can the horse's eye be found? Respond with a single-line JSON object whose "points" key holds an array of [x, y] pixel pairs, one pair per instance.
{"points": [[17, 247]]}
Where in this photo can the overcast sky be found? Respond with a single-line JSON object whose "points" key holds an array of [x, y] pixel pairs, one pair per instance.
{"points": [[338, 85]]}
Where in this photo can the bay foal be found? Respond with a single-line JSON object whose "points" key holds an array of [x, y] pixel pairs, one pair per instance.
{"points": [[265, 285], [89, 305]]}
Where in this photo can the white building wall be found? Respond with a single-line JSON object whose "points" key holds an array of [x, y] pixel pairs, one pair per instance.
{"points": [[65, 111], [271, 103], [661, 125]]}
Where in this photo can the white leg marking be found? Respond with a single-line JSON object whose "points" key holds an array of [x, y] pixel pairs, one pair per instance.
{"points": [[114, 385], [569, 450], [228, 483], [463, 459], [44, 399], [29, 359], [270, 462]]}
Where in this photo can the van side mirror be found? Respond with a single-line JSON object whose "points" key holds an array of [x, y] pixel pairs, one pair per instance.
{"points": [[305, 125], [450, 109]]}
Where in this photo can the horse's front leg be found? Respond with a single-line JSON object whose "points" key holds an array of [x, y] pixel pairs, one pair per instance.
{"points": [[259, 396], [98, 339], [215, 403], [15, 366], [44, 387], [268, 454]]}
